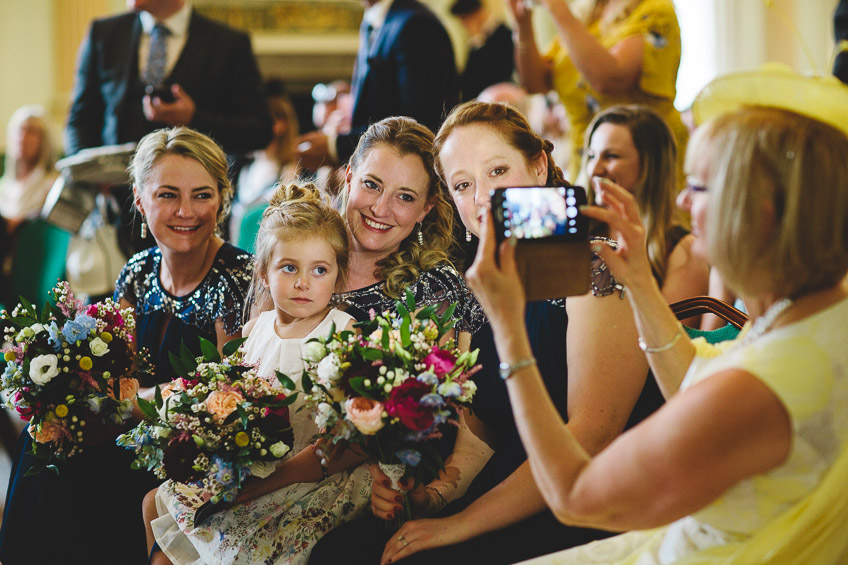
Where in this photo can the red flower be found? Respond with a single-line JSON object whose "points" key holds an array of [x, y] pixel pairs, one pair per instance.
{"points": [[443, 362], [178, 459], [403, 403]]}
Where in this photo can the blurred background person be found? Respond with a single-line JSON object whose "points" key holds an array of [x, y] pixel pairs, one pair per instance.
{"points": [[405, 66], [331, 113], [490, 50], [840, 34], [606, 52], [633, 147], [256, 175], [29, 172]]}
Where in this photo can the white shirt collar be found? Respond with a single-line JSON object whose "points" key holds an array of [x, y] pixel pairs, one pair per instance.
{"points": [[376, 14], [176, 24]]}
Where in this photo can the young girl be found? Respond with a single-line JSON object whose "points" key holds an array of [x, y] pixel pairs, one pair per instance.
{"points": [[301, 260]]}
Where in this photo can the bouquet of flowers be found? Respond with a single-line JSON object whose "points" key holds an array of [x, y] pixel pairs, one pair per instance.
{"points": [[391, 387], [70, 371], [215, 425]]}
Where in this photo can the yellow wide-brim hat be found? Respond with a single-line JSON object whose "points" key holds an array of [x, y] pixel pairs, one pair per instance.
{"points": [[821, 98]]}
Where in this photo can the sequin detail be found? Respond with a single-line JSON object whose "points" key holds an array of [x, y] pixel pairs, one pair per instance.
{"points": [[603, 283], [441, 285], [220, 295]]}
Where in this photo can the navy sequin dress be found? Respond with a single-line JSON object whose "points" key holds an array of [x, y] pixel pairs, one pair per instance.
{"points": [[91, 512]]}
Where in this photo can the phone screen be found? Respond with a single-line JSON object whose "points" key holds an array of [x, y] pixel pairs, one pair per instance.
{"points": [[540, 213]]}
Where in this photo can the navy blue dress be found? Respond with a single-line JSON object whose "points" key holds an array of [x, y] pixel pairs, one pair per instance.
{"points": [[361, 541], [91, 512]]}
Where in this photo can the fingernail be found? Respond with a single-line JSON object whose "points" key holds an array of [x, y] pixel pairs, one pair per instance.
{"points": [[398, 509], [398, 498], [386, 483], [513, 240], [390, 517]]}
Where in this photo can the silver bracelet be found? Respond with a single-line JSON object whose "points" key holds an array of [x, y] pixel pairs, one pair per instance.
{"points": [[442, 500], [665, 347], [507, 370]]}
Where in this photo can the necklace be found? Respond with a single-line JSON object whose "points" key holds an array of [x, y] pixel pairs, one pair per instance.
{"points": [[764, 323]]}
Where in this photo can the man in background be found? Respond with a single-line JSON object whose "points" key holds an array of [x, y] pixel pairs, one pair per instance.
{"points": [[405, 67], [160, 65]]}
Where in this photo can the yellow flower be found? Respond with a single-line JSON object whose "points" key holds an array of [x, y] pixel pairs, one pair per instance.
{"points": [[86, 364], [61, 410], [9, 356], [242, 439], [106, 336]]}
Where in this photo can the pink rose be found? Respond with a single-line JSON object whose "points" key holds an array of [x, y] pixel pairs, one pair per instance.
{"points": [[222, 403], [366, 414], [443, 362]]}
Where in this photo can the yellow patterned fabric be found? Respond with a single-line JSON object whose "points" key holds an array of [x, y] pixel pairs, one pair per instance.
{"points": [[794, 514], [656, 21]]}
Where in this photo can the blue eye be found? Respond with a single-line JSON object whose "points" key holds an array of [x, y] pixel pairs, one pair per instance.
{"points": [[407, 197], [320, 270], [697, 188], [370, 184], [288, 268]]}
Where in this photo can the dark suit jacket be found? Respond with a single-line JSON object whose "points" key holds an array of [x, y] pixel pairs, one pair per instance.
{"points": [[408, 71], [840, 32], [489, 64], [216, 68]]}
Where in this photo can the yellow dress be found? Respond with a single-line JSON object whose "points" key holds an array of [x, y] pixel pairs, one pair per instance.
{"points": [[794, 514], [656, 22]]}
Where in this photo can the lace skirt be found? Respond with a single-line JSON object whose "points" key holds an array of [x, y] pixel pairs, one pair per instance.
{"points": [[278, 528]]}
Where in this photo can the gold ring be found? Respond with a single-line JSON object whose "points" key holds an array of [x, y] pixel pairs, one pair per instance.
{"points": [[402, 540]]}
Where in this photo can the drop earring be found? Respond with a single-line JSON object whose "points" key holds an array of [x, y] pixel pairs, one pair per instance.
{"points": [[420, 235], [467, 236], [143, 228]]}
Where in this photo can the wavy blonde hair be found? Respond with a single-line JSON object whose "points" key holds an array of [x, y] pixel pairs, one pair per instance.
{"points": [[296, 212], [403, 267], [778, 195], [657, 186]]}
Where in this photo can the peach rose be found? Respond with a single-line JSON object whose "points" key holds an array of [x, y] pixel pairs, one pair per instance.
{"points": [[129, 389], [49, 432], [366, 414], [222, 403]]}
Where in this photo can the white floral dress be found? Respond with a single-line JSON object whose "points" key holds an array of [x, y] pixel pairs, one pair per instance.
{"points": [[280, 527]]}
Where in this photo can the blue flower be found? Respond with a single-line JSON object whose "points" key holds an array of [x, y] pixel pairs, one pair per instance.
{"points": [[409, 456], [432, 400], [55, 338], [428, 378], [74, 331], [86, 322], [450, 389], [441, 416]]}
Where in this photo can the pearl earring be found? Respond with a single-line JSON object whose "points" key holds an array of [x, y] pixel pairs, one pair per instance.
{"points": [[467, 236], [420, 235], [143, 228]]}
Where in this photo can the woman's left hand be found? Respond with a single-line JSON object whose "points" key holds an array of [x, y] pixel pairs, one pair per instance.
{"points": [[419, 535], [495, 281]]}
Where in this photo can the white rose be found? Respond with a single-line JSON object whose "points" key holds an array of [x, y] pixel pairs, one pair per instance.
{"points": [[328, 370], [163, 411], [314, 351], [37, 329], [279, 449], [43, 368], [262, 469], [98, 347]]}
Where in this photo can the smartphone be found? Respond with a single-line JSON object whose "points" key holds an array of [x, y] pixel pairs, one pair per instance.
{"points": [[162, 92], [540, 213], [552, 238]]}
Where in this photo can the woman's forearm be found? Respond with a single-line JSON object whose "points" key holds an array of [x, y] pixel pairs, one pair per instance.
{"points": [[606, 70], [533, 69], [515, 499], [668, 348]]}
